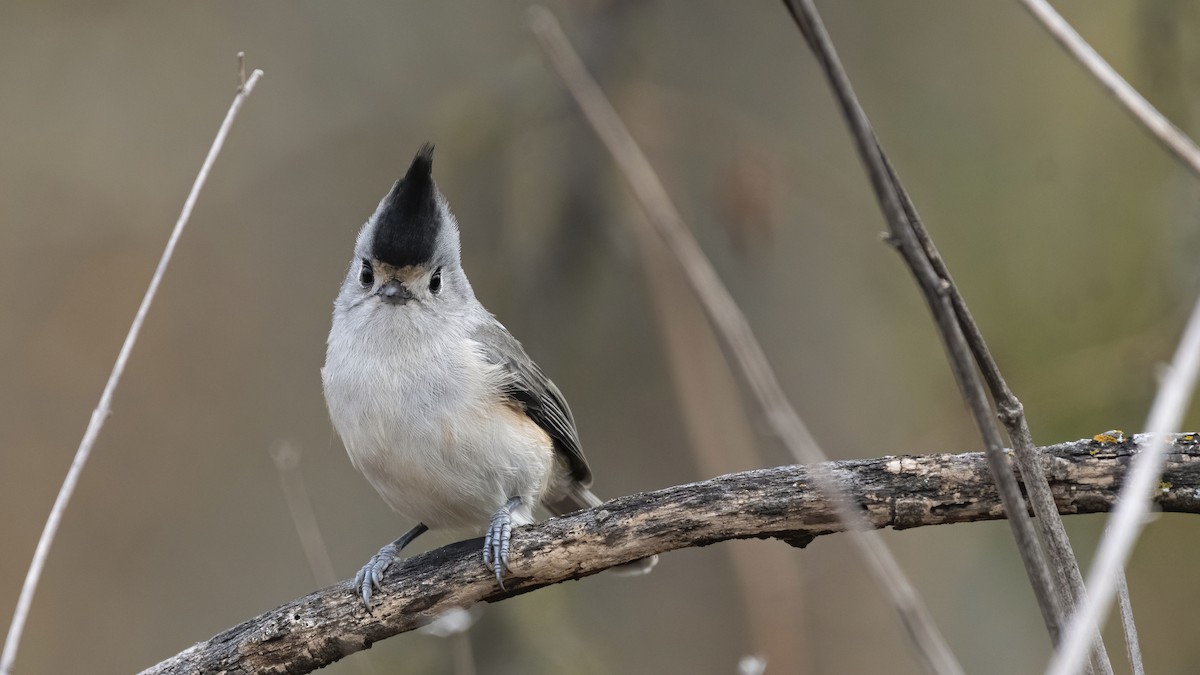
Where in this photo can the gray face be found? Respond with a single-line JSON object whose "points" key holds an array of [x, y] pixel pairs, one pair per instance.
{"points": [[396, 287], [407, 257]]}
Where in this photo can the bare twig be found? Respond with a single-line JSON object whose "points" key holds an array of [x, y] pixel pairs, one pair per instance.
{"points": [[287, 465], [1133, 650], [935, 289], [104, 407], [1171, 138], [1012, 414], [780, 503], [930, 646], [463, 657], [721, 438], [1008, 408], [241, 62], [1170, 405], [1174, 140]]}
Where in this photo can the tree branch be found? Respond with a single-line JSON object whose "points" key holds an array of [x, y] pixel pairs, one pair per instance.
{"points": [[934, 287], [900, 492], [730, 323]]}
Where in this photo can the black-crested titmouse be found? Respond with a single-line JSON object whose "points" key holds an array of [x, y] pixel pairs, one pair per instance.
{"points": [[437, 404]]}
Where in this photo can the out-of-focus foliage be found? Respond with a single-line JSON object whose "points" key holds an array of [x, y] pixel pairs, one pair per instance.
{"points": [[1073, 236]]}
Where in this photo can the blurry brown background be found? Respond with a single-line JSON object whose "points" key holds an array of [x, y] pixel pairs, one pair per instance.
{"points": [[1073, 236]]}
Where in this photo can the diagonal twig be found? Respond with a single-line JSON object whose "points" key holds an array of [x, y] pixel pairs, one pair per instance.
{"points": [[104, 407], [727, 318], [1174, 140], [1170, 137], [936, 287], [286, 457], [1012, 415], [1133, 650], [287, 464], [1125, 524], [719, 434]]}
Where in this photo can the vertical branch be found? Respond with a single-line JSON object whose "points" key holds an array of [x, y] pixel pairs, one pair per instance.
{"points": [[104, 407], [1119, 542], [721, 438], [1133, 505], [1175, 141], [936, 288], [727, 318], [1012, 414]]}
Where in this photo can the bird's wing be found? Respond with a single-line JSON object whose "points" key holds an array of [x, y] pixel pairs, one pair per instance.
{"points": [[530, 390]]}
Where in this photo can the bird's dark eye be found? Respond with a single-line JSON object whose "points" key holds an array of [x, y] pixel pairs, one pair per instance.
{"points": [[366, 275], [435, 282]]}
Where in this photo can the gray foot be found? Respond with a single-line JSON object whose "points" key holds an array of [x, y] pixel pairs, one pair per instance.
{"points": [[495, 543], [370, 577]]}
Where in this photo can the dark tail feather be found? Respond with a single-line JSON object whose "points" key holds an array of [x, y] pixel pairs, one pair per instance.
{"points": [[580, 498]]}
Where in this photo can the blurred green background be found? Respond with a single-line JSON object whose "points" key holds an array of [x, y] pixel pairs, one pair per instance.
{"points": [[1073, 236]]}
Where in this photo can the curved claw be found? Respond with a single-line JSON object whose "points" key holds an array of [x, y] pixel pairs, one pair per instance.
{"points": [[370, 577], [496, 541]]}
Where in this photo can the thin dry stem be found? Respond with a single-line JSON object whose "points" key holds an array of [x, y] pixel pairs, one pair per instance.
{"points": [[1170, 405], [930, 646], [935, 289], [1133, 649], [1166, 133], [720, 435], [1012, 415], [291, 481], [1174, 140], [104, 407]]}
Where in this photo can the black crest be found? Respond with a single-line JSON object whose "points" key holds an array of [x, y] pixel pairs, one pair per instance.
{"points": [[407, 226]]}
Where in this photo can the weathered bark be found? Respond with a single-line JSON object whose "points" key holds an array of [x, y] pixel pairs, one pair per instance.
{"points": [[898, 492]]}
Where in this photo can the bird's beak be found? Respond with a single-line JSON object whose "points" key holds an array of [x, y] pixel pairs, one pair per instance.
{"points": [[394, 293]]}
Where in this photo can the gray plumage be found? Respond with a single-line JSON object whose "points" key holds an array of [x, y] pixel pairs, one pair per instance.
{"points": [[437, 404], [530, 389]]}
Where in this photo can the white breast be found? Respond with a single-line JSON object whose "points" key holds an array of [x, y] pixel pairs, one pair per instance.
{"points": [[426, 424]]}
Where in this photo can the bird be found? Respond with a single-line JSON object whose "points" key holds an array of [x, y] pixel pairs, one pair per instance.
{"points": [[437, 404]]}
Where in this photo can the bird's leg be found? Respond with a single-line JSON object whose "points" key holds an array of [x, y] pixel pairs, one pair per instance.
{"points": [[495, 543], [371, 575]]}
